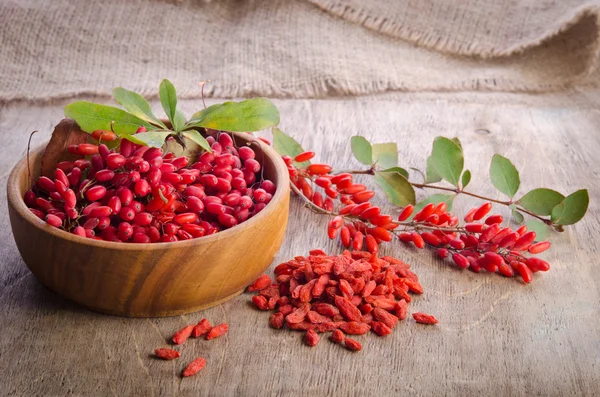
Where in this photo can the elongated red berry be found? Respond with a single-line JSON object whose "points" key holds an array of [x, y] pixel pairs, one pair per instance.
{"points": [[524, 241], [318, 169], [183, 334], [217, 331], [460, 261], [490, 220], [167, 354], [194, 367], [417, 240], [305, 156], [482, 211], [423, 318], [539, 247], [474, 227], [537, 264]]}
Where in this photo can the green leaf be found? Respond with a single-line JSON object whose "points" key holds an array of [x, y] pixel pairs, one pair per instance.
{"points": [[432, 175], [396, 187], [178, 121], [91, 116], [201, 114], [135, 104], [400, 170], [168, 99], [540, 228], [150, 138], [435, 199], [517, 216], [541, 201], [571, 209], [362, 150], [198, 138], [505, 176], [285, 145], [385, 155], [247, 116], [420, 172], [455, 140], [466, 178], [447, 159]]}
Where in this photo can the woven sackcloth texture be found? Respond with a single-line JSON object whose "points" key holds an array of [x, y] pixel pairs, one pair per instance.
{"points": [[294, 48]]}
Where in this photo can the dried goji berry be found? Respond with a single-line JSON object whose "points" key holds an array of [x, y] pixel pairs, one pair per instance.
{"points": [[260, 283], [401, 309], [347, 309], [260, 302], [299, 314], [194, 367], [277, 320], [380, 328], [385, 317], [311, 338], [352, 344], [216, 331], [423, 318], [201, 328], [167, 354], [183, 334], [337, 336], [355, 328]]}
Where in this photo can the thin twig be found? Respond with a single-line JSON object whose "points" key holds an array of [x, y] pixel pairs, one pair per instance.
{"points": [[456, 191]]}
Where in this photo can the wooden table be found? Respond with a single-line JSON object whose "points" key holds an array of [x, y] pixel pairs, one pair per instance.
{"points": [[496, 336]]}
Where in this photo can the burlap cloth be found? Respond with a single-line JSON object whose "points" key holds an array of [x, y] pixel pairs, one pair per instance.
{"points": [[294, 48]]}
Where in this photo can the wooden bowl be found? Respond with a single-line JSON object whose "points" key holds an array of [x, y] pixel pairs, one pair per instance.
{"points": [[150, 280]]}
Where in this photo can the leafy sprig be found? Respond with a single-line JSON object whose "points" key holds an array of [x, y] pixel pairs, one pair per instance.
{"points": [[246, 116], [446, 162]]}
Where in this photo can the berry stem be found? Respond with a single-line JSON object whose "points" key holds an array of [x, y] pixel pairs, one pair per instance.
{"points": [[457, 191]]}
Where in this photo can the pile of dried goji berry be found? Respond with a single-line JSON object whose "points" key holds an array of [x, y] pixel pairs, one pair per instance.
{"points": [[203, 328], [349, 294], [139, 194]]}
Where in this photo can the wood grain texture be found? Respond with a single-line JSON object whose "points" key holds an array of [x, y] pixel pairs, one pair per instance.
{"points": [[496, 336]]}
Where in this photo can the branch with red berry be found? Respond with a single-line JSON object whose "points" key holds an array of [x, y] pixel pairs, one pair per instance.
{"points": [[480, 243]]}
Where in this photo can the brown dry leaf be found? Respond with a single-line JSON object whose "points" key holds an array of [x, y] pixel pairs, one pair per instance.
{"points": [[66, 133]]}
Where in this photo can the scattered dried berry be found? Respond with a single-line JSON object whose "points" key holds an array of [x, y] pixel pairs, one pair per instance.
{"points": [[194, 367]]}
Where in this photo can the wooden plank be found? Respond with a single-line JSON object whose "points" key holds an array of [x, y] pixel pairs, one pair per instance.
{"points": [[496, 336]]}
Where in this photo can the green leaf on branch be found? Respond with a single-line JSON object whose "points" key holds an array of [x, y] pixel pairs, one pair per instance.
{"points": [[455, 140], [168, 99], [420, 173], [385, 155], [198, 138], [135, 104], [447, 160], [201, 114], [362, 150], [571, 209], [247, 116], [504, 175], [285, 145], [178, 121], [517, 216], [541, 201], [150, 138], [435, 199], [396, 187], [465, 179], [91, 116], [432, 175], [400, 170], [540, 228]]}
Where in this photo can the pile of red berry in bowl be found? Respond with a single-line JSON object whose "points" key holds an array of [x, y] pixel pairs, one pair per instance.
{"points": [[137, 230]]}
